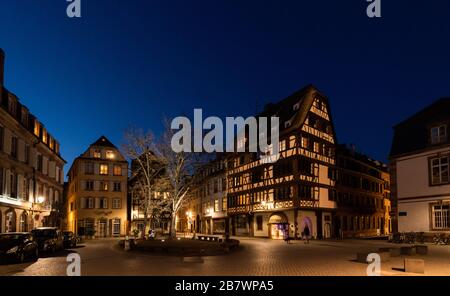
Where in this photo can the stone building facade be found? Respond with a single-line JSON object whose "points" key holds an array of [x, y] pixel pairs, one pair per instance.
{"points": [[31, 167], [97, 192]]}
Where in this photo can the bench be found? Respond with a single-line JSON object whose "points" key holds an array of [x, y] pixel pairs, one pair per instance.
{"points": [[211, 238]]}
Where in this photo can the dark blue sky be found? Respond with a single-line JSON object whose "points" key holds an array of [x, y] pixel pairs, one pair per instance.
{"points": [[130, 63]]}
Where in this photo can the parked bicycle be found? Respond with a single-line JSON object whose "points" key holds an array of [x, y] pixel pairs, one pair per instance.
{"points": [[421, 237], [440, 239], [410, 238]]}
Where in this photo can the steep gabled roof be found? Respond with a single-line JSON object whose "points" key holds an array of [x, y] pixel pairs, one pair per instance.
{"points": [[303, 99], [103, 142], [412, 134]]}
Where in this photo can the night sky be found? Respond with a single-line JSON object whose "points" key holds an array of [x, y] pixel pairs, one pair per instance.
{"points": [[131, 63]]}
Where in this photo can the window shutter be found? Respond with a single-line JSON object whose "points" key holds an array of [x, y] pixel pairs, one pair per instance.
{"points": [[33, 158], [7, 142], [8, 183], [97, 203], [61, 178], [105, 203], [44, 165], [51, 169], [21, 150], [20, 192]]}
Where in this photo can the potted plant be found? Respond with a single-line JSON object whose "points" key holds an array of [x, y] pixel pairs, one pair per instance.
{"points": [[90, 232]]}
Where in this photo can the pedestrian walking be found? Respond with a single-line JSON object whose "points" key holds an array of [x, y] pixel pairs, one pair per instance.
{"points": [[306, 234]]}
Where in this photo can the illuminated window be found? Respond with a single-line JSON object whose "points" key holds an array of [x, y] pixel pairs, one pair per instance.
{"points": [[304, 142], [216, 205], [103, 169], [109, 154], [316, 147], [37, 128], [224, 204], [292, 141], [117, 170], [44, 136], [51, 143], [104, 186], [97, 153], [282, 145]]}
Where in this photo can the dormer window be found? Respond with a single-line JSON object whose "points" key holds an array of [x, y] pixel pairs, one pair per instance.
{"points": [[12, 106], [97, 153], [37, 128], [109, 154], [438, 134], [44, 136], [24, 117]]}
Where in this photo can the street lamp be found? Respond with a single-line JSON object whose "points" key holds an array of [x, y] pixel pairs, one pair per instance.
{"points": [[40, 199]]}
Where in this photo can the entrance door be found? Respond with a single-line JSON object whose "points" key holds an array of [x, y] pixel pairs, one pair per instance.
{"points": [[102, 230], [277, 231], [327, 231]]}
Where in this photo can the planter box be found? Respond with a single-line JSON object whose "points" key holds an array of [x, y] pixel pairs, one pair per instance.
{"points": [[395, 252], [422, 250], [415, 265], [409, 251]]}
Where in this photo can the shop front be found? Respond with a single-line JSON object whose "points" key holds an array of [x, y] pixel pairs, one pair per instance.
{"points": [[278, 225]]}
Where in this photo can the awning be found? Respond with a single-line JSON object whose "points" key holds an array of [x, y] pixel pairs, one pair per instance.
{"points": [[278, 218]]}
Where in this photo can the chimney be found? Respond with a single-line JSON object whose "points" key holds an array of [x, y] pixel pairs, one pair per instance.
{"points": [[2, 66]]}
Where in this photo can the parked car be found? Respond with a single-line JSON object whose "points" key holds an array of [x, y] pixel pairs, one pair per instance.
{"points": [[49, 239], [70, 239], [18, 246]]}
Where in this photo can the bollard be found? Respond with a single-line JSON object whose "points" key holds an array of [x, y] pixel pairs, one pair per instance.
{"points": [[127, 244]]}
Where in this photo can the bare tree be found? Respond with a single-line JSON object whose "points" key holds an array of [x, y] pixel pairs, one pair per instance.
{"points": [[146, 168], [178, 175]]}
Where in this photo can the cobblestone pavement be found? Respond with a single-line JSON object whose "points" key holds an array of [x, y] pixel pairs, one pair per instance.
{"points": [[254, 257]]}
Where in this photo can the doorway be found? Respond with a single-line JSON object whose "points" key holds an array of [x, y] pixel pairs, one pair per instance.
{"points": [[102, 229], [277, 231]]}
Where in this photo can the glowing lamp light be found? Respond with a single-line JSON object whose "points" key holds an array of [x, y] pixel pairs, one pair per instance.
{"points": [[263, 203], [40, 199]]}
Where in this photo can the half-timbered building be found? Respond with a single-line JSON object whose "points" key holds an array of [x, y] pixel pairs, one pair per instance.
{"points": [[293, 194]]}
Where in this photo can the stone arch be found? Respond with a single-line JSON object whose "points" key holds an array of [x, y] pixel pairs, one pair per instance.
{"points": [[306, 221], [23, 222], [10, 220]]}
